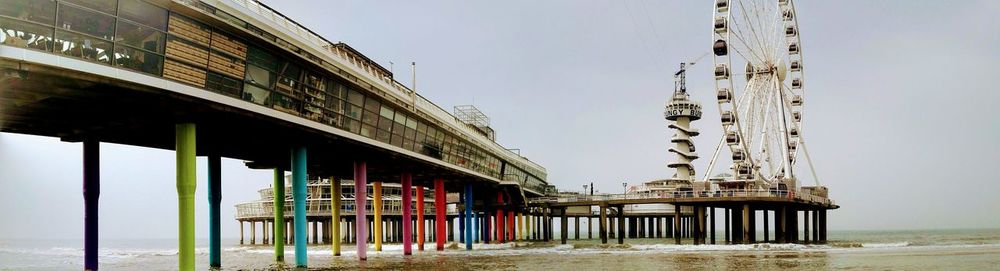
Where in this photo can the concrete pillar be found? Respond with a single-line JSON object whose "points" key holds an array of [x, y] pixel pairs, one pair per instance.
{"points": [[726, 225], [805, 226], [621, 224], [499, 219], [822, 226], [746, 223], [440, 210], [407, 191], [564, 228], [576, 232], [780, 225], [420, 219], [335, 206], [253, 232], [520, 229], [677, 224], [468, 215], [315, 235], [360, 201], [377, 212], [510, 224], [815, 224], [241, 232], [186, 184], [711, 224], [299, 199], [603, 228], [91, 193], [766, 230]]}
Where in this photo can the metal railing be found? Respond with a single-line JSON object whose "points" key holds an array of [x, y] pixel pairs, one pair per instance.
{"points": [[687, 194]]}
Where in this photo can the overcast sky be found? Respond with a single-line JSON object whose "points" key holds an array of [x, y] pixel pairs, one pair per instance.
{"points": [[900, 116]]}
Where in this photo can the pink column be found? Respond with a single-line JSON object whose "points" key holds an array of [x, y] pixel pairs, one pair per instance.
{"points": [[360, 201], [499, 219], [440, 211], [407, 181]]}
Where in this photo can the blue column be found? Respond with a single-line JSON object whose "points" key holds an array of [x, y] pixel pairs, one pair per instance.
{"points": [[475, 227], [91, 191], [299, 198], [468, 216], [214, 198]]}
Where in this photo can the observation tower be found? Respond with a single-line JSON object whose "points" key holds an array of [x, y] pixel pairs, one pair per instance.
{"points": [[680, 111]]}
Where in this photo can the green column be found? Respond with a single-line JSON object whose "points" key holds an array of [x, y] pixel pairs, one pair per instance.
{"points": [[186, 184], [279, 214], [335, 214]]}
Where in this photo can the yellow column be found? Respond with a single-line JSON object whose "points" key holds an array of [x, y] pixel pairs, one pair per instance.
{"points": [[520, 228], [335, 212], [377, 221]]}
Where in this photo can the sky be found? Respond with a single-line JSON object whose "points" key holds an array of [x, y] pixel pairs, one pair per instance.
{"points": [[899, 115]]}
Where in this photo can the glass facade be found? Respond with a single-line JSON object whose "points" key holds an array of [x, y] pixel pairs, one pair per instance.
{"points": [[140, 36]]}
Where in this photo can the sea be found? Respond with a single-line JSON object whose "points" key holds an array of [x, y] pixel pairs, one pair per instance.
{"points": [[846, 250]]}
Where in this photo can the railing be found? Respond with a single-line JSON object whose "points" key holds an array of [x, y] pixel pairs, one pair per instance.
{"points": [[687, 194]]}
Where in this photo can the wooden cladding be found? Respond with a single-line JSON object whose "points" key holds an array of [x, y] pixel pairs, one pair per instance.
{"points": [[228, 45], [187, 52], [226, 65], [189, 30], [185, 73]]}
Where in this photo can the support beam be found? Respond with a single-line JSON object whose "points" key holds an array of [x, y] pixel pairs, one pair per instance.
{"points": [[576, 224], [822, 226], [766, 230], [564, 229], [407, 186], [420, 218], [726, 225], [377, 210], [360, 201], [805, 226], [214, 199], [677, 224], [440, 211], [621, 225], [91, 193], [335, 206], [186, 185], [468, 216], [299, 199], [711, 224]]}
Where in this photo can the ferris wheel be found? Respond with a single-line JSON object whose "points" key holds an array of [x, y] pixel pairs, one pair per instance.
{"points": [[759, 79]]}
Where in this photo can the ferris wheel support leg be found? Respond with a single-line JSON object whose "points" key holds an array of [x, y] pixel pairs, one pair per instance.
{"points": [[810, 161]]}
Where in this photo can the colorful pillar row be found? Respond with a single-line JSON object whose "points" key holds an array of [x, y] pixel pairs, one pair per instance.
{"points": [[91, 193], [360, 182], [299, 199], [440, 212], [407, 183], [186, 186]]}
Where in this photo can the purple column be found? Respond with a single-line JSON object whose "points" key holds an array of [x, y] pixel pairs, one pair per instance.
{"points": [[91, 191], [360, 201], [407, 181]]}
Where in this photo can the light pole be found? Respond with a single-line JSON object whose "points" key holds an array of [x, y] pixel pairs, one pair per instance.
{"points": [[625, 187], [585, 189]]}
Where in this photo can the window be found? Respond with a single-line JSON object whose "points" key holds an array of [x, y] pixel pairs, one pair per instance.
{"points": [[26, 35], [138, 60], [262, 59], [84, 47], [223, 84], [259, 76], [85, 21], [285, 103], [353, 111], [106, 6], [355, 97], [39, 11], [140, 37], [143, 13], [256, 94]]}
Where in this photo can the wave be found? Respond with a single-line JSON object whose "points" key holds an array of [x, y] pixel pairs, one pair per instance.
{"points": [[885, 245]]}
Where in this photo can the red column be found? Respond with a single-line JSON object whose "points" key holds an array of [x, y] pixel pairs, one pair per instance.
{"points": [[440, 211], [420, 218], [510, 225], [499, 219]]}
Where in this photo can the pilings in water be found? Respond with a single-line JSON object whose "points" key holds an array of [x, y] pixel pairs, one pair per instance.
{"points": [[91, 193], [407, 183], [335, 193], [439, 211], [361, 180], [186, 185]]}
